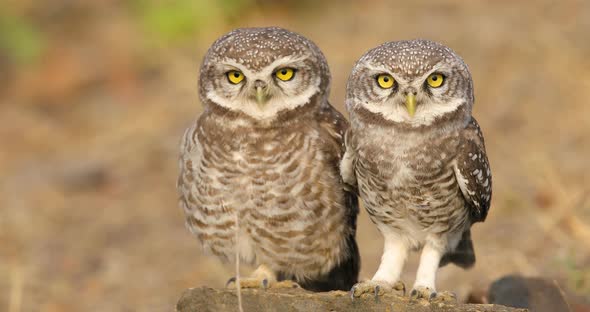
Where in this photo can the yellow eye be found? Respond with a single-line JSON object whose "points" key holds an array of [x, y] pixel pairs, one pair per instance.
{"points": [[385, 81], [435, 80], [235, 76], [285, 74]]}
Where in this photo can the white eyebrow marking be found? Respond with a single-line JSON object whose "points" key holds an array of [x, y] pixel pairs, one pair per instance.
{"points": [[377, 69], [267, 70]]}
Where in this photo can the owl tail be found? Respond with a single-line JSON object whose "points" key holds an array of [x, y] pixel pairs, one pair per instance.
{"points": [[342, 276], [463, 255]]}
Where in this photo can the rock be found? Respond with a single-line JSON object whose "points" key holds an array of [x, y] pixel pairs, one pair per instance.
{"points": [[536, 294], [205, 299]]}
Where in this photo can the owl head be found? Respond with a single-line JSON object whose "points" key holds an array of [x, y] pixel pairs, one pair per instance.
{"points": [[410, 83], [262, 72]]}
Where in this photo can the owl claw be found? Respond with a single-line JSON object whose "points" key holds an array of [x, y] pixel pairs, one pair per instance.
{"points": [[248, 283], [351, 292], [422, 292], [377, 288], [229, 281], [432, 295], [261, 283], [444, 296], [400, 286]]}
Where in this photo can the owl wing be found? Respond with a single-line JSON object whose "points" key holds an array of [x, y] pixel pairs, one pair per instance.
{"points": [[190, 156], [347, 164], [337, 127], [334, 127], [472, 171]]}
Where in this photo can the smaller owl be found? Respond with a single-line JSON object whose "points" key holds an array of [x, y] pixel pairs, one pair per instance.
{"points": [[259, 168], [418, 159]]}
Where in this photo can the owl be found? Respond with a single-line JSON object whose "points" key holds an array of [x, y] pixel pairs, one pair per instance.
{"points": [[417, 158], [259, 168]]}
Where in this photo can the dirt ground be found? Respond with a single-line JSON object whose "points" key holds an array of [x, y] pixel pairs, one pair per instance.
{"points": [[94, 99]]}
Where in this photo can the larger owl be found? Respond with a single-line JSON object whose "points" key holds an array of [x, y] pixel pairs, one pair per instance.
{"points": [[263, 160], [418, 159]]}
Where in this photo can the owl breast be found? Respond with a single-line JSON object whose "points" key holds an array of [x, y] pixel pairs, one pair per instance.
{"points": [[410, 189], [282, 186]]}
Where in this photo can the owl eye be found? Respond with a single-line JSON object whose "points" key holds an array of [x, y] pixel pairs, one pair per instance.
{"points": [[285, 74], [235, 76], [435, 80], [385, 81]]}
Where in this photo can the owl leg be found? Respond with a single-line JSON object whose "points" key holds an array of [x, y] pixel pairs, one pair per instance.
{"points": [[426, 276], [395, 253], [262, 277]]}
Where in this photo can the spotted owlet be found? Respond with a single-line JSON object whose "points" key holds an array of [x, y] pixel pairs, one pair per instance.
{"points": [[417, 157], [266, 152]]}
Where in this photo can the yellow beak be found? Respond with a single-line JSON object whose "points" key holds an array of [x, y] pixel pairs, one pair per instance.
{"points": [[411, 104], [260, 96]]}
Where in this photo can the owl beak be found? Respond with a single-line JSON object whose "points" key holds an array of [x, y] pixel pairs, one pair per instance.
{"points": [[260, 96], [411, 104], [261, 93]]}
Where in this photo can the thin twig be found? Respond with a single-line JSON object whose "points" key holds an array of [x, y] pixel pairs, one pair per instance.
{"points": [[16, 291], [238, 286], [562, 294]]}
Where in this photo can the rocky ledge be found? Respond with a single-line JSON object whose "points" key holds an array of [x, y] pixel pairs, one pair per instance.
{"points": [[205, 299]]}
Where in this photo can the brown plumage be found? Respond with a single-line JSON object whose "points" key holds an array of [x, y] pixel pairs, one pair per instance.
{"points": [[272, 160], [417, 157]]}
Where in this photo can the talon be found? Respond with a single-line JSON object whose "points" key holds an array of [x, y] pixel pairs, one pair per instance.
{"points": [[229, 281], [414, 293], [352, 293], [446, 296], [432, 295], [400, 286], [265, 284], [377, 288]]}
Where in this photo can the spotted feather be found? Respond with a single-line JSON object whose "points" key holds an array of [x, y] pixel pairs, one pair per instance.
{"points": [[473, 172]]}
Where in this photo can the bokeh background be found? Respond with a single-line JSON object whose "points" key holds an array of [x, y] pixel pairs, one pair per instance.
{"points": [[94, 96]]}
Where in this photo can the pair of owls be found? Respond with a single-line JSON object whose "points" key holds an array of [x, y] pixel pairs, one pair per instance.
{"points": [[271, 171]]}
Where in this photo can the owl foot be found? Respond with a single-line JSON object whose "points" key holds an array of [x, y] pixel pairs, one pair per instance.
{"points": [[285, 284], [445, 296], [377, 288], [423, 292], [250, 282], [263, 283]]}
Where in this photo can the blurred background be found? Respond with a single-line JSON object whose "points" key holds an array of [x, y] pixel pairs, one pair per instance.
{"points": [[94, 96]]}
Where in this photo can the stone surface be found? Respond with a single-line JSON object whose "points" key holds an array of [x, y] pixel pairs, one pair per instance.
{"points": [[206, 299], [534, 293]]}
